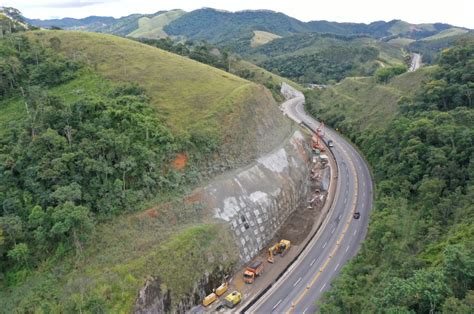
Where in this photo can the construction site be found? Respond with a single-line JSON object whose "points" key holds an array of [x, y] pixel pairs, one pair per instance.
{"points": [[270, 251]]}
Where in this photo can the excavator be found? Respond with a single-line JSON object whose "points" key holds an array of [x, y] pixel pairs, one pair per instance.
{"points": [[279, 248]]}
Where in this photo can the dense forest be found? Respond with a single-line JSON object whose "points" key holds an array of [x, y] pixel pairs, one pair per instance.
{"points": [[67, 165], [327, 66], [419, 252]]}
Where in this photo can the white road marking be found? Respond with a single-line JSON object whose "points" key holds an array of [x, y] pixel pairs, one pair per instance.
{"points": [[363, 205], [297, 281], [347, 249], [345, 200], [312, 262], [340, 216], [304, 312], [278, 303], [322, 287], [325, 243], [337, 266], [355, 231], [333, 229]]}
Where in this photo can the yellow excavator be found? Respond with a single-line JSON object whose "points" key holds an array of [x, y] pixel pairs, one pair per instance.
{"points": [[279, 248]]}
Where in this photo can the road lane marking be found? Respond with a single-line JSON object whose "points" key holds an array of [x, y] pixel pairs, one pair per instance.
{"points": [[347, 249], [325, 243], [355, 231], [297, 281], [278, 303], [304, 312], [333, 229], [312, 262], [322, 287], [337, 266], [345, 200]]}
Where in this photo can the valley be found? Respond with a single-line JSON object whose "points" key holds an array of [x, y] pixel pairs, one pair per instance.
{"points": [[149, 159]]}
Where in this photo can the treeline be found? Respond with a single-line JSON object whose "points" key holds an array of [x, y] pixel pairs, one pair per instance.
{"points": [[329, 65], [65, 166], [419, 252]]}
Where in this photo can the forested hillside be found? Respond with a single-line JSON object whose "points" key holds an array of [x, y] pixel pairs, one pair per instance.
{"points": [[100, 138], [419, 252]]}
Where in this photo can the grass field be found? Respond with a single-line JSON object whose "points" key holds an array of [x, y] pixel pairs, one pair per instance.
{"points": [[370, 104], [454, 31], [401, 42], [153, 27], [261, 38], [186, 93]]}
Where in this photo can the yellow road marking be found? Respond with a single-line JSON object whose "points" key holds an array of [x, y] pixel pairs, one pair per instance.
{"points": [[339, 241]]}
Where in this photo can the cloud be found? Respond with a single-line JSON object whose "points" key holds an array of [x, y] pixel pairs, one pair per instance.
{"points": [[70, 4]]}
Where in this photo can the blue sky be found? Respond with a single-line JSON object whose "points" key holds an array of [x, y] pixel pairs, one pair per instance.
{"points": [[457, 12]]}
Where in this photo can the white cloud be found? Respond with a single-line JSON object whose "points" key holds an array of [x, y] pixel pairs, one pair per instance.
{"points": [[457, 12]]}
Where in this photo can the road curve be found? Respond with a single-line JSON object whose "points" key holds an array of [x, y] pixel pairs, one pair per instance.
{"points": [[340, 236], [415, 62]]}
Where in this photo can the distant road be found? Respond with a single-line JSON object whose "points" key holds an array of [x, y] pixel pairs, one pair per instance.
{"points": [[415, 62], [339, 238]]}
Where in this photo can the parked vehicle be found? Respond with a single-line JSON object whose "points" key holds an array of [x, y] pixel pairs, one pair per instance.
{"points": [[252, 271]]}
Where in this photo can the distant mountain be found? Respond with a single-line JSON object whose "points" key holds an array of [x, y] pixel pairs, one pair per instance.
{"points": [[219, 26]]}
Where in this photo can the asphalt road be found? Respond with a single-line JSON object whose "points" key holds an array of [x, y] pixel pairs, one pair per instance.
{"points": [[415, 62], [339, 238]]}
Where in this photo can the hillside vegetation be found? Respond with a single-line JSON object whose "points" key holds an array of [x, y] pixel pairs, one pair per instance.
{"points": [[93, 127], [152, 27], [362, 103], [418, 256], [315, 58]]}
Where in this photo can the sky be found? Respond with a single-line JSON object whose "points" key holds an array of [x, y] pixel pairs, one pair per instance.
{"points": [[456, 12]]}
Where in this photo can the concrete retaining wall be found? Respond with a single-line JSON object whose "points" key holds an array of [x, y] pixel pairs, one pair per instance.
{"points": [[255, 201]]}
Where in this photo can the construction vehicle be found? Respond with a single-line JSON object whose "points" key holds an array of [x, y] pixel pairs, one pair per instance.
{"points": [[252, 271], [222, 289], [233, 299], [209, 299], [279, 248]]}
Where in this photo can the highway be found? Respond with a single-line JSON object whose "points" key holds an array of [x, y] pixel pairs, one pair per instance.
{"points": [[338, 239], [415, 62]]}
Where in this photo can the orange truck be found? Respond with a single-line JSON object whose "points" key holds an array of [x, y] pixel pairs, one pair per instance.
{"points": [[253, 270]]}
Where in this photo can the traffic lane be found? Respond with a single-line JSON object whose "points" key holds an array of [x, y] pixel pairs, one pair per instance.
{"points": [[354, 235], [325, 244], [313, 261], [350, 244]]}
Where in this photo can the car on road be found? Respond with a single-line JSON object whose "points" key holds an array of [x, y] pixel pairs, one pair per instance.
{"points": [[330, 143], [356, 215]]}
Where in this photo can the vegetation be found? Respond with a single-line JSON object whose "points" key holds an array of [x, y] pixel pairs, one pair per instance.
{"points": [[152, 27], [419, 254], [223, 59], [82, 150], [261, 38], [385, 74]]}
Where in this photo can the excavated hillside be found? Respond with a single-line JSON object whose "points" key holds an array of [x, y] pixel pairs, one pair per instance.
{"points": [[171, 245]]}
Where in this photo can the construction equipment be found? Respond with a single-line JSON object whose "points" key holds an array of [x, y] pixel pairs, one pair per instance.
{"points": [[279, 248], [233, 299], [209, 299], [222, 289], [252, 271]]}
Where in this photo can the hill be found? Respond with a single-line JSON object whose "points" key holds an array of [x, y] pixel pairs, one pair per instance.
{"points": [[100, 138], [152, 27], [365, 103], [322, 58], [220, 27], [416, 131]]}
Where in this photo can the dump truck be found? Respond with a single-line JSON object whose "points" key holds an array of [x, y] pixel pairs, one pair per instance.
{"points": [[222, 289], [252, 271], [279, 248], [233, 299], [209, 299]]}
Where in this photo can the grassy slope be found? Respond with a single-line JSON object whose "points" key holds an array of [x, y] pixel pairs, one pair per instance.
{"points": [[153, 27], [125, 251], [362, 99], [447, 33], [186, 93], [260, 38]]}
